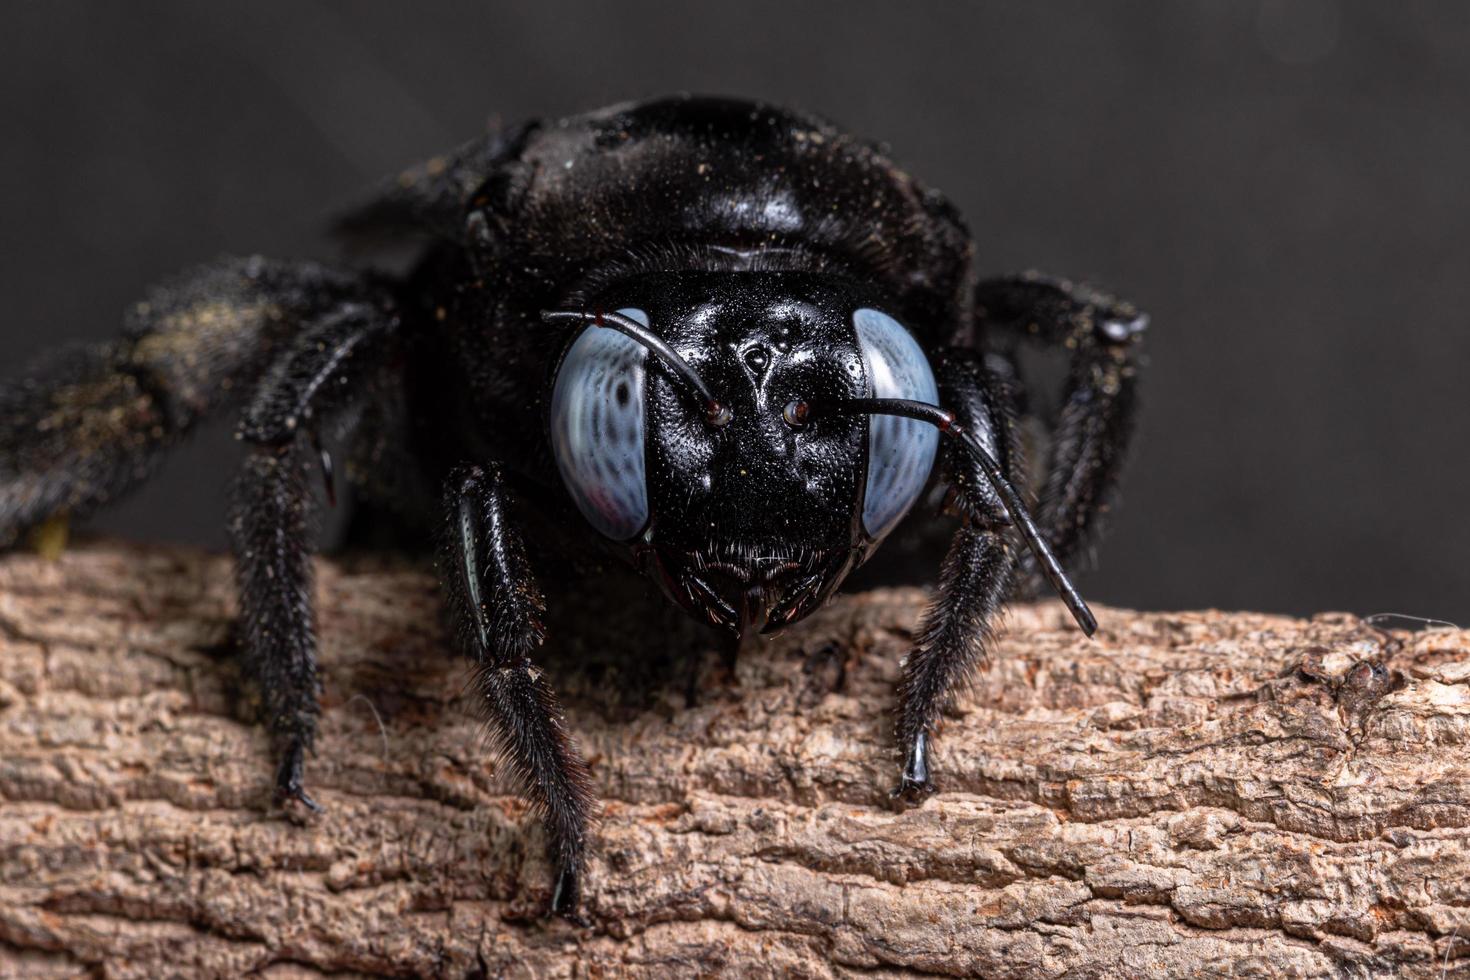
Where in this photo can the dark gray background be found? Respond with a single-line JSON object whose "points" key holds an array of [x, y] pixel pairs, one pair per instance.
{"points": [[1284, 185]]}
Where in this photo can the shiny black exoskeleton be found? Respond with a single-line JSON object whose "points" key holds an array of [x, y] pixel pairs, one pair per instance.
{"points": [[726, 340]]}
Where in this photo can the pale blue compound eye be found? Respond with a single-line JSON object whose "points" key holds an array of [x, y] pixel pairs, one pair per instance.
{"points": [[900, 451], [597, 429]]}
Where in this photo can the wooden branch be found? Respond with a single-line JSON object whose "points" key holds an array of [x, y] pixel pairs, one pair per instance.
{"points": [[1193, 794]]}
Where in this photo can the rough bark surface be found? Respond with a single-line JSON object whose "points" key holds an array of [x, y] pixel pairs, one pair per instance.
{"points": [[1191, 794]]}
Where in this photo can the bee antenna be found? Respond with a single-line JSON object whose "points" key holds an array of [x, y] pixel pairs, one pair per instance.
{"points": [[715, 411], [946, 423]]}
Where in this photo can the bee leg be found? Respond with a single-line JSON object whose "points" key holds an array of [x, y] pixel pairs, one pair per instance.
{"points": [[273, 524], [85, 424], [1090, 432], [497, 608], [974, 580], [273, 533]]}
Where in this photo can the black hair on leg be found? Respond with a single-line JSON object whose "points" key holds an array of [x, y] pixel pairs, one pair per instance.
{"points": [[497, 610], [84, 425], [976, 575], [273, 522], [272, 530]]}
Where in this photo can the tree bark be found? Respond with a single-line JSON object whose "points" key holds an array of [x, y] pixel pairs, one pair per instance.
{"points": [[1190, 794]]}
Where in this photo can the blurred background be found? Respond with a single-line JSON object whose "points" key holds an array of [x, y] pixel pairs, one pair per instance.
{"points": [[1283, 184]]}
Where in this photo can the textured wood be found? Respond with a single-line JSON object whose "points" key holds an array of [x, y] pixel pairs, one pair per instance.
{"points": [[1192, 794]]}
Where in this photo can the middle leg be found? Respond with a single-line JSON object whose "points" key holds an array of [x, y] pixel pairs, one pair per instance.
{"points": [[272, 531], [272, 524]]}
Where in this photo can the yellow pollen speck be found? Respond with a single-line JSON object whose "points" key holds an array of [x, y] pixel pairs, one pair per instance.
{"points": [[48, 539]]}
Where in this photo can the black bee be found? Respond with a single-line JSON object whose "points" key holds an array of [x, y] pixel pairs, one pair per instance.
{"points": [[725, 339]]}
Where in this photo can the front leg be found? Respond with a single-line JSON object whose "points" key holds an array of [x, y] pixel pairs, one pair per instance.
{"points": [[976, 575], [950, 645], [497, 610]]}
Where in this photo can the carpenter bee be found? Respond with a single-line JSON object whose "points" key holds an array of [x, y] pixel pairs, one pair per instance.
{"points": [[728, 341]]}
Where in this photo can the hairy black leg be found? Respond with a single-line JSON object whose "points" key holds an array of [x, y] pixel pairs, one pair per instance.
{"points": [[497, 610], [1092, 428], [976, 575], [86, 424], [272, 527], [272, 533]]}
